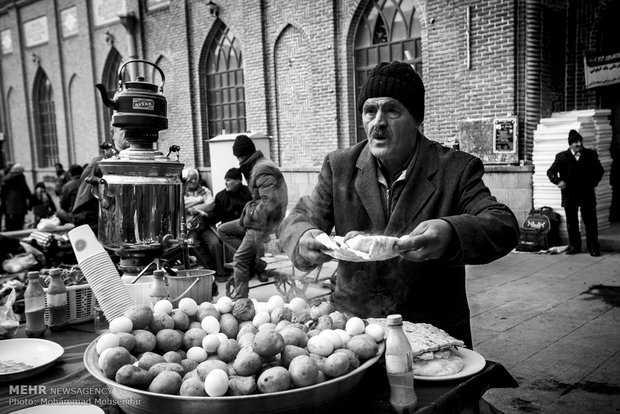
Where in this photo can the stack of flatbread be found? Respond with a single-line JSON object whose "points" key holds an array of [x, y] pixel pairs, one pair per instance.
{"points": [[361, 248], [433, 349]]}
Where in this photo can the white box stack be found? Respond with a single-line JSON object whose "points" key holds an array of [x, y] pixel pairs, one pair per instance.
{"points": [[551, 137]]}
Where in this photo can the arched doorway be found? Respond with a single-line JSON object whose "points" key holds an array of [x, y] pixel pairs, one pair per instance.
{"points": [[388, 30]]}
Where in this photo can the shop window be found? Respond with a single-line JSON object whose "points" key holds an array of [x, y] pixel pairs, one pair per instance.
{"points": [[388, 30]]}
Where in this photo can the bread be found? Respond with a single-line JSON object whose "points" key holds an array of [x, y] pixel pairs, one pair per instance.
{"points": [[438, 366], [377, 247], [424, 337]]}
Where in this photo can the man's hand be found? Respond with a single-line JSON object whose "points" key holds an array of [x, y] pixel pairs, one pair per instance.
{"points": [[310, 249], [562, 185], [429, 240]]}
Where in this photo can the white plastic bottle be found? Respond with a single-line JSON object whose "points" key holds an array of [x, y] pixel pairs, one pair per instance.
{"points": [[399, 366]]}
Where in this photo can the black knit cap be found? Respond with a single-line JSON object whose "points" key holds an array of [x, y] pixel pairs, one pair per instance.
{"points": [[574, 136], [233, 173], [397, 80], [243, 146]]}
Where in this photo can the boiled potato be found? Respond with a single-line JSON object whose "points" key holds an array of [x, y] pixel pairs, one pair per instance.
{"points": [[161, 321], [172, 356], [243, 310], [166, 366], [240, 385], [133, 376], [281, 313], [209, 365], [113, 359], [168, 340], [303, 371], [274, 379], [354, 361], [290, 352], [126, 340], [180, 319], [193, 337], [166, 382], [189, 364], [247, 362], [193, 387], [268, 343], [292, 335], [229, 325], [363, 345], [323, 308], [228, 350], [145, 341], [148, 359], [140, 316], [336, 364]]}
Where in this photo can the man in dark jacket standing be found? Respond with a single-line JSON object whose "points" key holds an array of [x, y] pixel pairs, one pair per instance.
{"points": [[399, 183], [577, 171], [16, 196], [260, 217]]}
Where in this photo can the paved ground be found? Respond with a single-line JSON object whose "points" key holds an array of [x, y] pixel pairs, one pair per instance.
{"points": [[553, 321]]}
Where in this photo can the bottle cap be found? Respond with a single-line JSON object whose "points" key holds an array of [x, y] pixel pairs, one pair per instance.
{"points": [[158, 274], [55, 271], [395, 319], [33, 275]]}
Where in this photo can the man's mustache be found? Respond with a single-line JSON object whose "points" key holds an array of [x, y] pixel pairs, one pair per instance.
{"points": [[379, 133]]}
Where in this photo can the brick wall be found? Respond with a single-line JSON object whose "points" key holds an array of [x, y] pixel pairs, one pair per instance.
{"points": [[298, 71]]}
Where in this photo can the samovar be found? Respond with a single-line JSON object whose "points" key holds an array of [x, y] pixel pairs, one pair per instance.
{"points": [[141, 193]]}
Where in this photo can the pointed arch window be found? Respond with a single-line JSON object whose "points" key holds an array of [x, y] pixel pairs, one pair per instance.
{"points": [[109, 79], [388, 30], [45, 120], [225, 91]]}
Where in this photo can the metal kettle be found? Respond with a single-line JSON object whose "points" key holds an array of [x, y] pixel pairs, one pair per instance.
{"points": [[137, 104]]}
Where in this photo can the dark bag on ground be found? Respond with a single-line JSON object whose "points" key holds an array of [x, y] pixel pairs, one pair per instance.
{"points": [[540, 230]]}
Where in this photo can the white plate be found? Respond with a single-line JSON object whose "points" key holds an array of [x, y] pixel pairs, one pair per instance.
{"points": [[61, 409], [36, 355], [474, 363]]}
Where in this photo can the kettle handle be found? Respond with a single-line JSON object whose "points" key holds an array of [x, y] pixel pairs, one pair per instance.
{"points": [[161, 73]]}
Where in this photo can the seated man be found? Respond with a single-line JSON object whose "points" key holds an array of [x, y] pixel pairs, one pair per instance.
{"points": [[229, 204]]}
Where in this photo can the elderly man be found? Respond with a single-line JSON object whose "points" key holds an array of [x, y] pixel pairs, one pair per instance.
{"points": [[399, 183]]}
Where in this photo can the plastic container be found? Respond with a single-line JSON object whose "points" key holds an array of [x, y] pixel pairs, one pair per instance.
{"points": [[56, 302], [158, 289], [34, 301], [80, 304], [399, 366]]}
